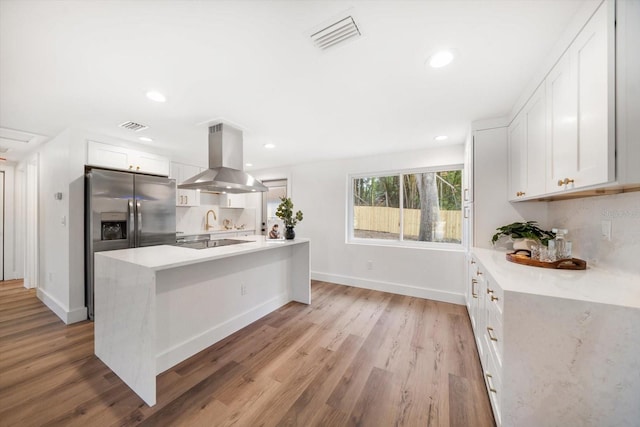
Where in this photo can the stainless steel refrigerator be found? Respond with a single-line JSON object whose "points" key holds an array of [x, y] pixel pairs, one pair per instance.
{"points": [[125, 210]]}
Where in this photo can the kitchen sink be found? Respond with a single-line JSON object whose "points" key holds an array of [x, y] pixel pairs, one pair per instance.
{"points": [[205, 244]]}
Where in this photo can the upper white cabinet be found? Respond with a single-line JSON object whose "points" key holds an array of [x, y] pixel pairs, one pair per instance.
{"points": [[581, 117], [527, 148], [232, 200], [181, 172], [114, 157], [563, 139]]}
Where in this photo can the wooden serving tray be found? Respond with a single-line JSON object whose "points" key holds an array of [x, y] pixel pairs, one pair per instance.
{"points": [[524, 257]]}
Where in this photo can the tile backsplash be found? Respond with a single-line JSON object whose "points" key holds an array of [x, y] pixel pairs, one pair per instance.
{"points": [[584, 219], [191, 220]]}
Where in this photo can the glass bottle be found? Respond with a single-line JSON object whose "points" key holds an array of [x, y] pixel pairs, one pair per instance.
{"points": [[561, 243]]}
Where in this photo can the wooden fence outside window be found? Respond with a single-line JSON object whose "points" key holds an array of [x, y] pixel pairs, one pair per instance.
{"points": [[387, 220]]}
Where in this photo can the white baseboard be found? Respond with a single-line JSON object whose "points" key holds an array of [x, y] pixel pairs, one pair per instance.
{"points": [[188, 348], [73, 316], [394, 288]]}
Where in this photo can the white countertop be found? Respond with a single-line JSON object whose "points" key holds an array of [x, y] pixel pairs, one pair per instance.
{"points": [[164, 256], [593, 284]]}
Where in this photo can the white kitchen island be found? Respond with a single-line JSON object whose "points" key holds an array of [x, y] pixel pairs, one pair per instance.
{"points": [[157, 306]]}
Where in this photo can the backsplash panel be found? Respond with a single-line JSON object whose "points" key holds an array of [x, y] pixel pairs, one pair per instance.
{"points": [[583, 218], [191, 220]]}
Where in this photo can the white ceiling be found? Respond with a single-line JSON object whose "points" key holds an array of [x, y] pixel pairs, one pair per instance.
{"points": [[89, 63]]}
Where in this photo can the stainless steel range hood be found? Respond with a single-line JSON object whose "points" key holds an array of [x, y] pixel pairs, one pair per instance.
{"points": [[225, 174]]}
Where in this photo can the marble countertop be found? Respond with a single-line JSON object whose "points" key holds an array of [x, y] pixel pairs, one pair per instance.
{"points": [[594, 284], [165, 257]]}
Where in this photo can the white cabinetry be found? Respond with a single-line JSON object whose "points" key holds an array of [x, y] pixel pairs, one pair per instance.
{"points": [[580, 115], [527, 145], [232, 200], [554, 354], [114, 157], [563, 139], [181, 172]]}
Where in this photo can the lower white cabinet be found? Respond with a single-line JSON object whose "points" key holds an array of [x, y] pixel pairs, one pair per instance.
{"points": [[556, 350]]}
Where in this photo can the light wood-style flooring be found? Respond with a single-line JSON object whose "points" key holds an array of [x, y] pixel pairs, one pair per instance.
{"points": [[353, 357]]}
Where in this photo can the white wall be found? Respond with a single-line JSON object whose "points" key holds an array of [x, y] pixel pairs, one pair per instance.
{"points": [[320, 191], [583, 218]]}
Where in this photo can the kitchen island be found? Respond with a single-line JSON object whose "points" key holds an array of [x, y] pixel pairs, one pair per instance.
{"points": [[157, 306]]}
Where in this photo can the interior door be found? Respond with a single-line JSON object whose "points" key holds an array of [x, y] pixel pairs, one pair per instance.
{"points": [[271, 200], [155, 210], [1, 225]]}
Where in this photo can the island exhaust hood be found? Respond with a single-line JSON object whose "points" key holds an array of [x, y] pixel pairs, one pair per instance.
{"points": [[225, 174]]}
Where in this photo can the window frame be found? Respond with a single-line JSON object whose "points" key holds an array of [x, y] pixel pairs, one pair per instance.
{"points": [[349, 232]]}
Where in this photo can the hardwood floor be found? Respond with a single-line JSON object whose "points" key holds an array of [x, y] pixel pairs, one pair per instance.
{"points": [[354, 357]]}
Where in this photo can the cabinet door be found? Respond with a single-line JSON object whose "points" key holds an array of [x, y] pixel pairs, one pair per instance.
{"points": [[150, 163], [468, 170], [535, 114], [232, 201], [108, 156], [527, 148], [181, 172], [517, 158], [594, 162], [562, 121]]}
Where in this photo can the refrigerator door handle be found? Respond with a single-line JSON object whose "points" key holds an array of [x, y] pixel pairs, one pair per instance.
{"points": [[130, 224], [139, 227]]}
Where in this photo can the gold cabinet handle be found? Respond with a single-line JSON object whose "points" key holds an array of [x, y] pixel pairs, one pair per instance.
{"points": [[472, 262], [474, 293], [137, 168], [520, 193], [560, 183], [490, 383], [130, 167], [479, 273], [494, 298], [568, 181], [565, 181], [491, 336], [489, 291]]}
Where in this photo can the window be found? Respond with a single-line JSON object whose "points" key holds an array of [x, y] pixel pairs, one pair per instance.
{"points": [[411, 207]]}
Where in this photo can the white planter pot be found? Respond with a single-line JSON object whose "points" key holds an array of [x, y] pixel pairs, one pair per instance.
{"points": [[523, 244]]}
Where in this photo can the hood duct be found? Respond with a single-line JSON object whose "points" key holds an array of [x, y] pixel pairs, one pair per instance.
{"points": [[225, 174]]}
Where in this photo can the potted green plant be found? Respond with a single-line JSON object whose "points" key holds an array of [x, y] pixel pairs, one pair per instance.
{"points": [[285, 213], [520, 232]]}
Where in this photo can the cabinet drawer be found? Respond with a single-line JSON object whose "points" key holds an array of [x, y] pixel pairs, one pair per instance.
{"points": [[494, 334], [493, 381]]}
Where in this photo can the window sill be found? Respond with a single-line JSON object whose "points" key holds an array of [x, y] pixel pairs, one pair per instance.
{"points": [[448, 247]]}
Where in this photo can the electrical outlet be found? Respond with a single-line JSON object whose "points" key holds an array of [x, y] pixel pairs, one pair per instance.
{"points": [[606, 230], [369, 265], [243, 289]]}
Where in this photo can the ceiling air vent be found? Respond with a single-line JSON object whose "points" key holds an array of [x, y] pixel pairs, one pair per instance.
{"points": [[336, 33], [133, 126]]}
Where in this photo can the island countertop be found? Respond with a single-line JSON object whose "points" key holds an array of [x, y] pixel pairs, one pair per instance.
{"points": [[164, 257]]}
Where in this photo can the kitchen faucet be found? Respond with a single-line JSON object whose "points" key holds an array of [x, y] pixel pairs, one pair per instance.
{"points": [[215, 218]]}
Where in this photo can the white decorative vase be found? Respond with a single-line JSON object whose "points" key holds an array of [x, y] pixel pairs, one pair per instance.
{"points": [[523, 244]]}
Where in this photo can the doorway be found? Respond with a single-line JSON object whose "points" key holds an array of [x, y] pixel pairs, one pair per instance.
{"points": [[1, 225], [271, 200]]}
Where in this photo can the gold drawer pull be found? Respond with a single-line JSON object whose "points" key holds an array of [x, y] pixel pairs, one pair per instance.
{"points": [[490, 332], [472, 262], [489, 382], [489, 291], [474, 282], [494, 298], [478, 273]]}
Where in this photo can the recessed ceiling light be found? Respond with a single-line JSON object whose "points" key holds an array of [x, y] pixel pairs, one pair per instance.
{"points": [[441, 137], [440, 59], [248, 164], [145, 139], [269, 146], [253, 189], [228, 187], [156, 96]]}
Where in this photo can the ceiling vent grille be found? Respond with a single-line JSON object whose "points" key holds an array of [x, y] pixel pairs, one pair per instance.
{"points": [[336, 33], [133, 126]]}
